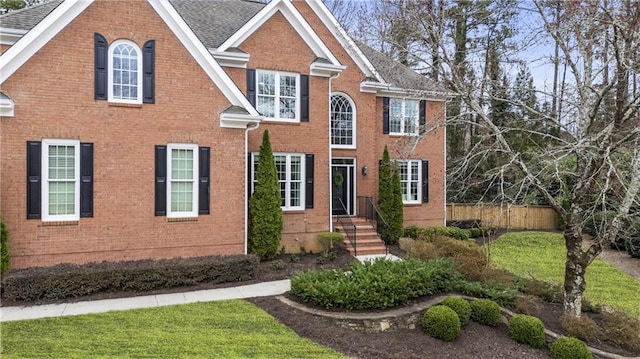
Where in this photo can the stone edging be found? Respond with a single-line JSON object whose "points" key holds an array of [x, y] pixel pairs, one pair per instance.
{"points": [[408, 318]]}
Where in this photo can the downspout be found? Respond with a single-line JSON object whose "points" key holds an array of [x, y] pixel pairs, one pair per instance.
{"points": [[246, 185], [331, 157]]}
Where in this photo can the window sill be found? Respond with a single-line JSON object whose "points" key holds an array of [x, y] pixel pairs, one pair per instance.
{"points": [[282, 121], [403, 134], [412, 204], [60, 223], [295, 210], [343, 147], [123, 104], [183, 219]]}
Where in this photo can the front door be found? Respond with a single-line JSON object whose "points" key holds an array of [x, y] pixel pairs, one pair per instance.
{"points": [[342, 175]]}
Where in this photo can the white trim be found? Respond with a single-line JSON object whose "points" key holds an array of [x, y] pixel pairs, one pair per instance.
{"points": [[139, 70], [324, 70], [388, 90], [354, 122], [409, 181], [202, 56], [344, 39], [276, 103], [354, 180], [10, 36], [46, 217], [296, 20], [18, 54], [194, 181], [235, 120], [6, 107], [230, 58]]}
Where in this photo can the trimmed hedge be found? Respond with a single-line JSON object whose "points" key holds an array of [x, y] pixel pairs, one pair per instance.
{"points": [[460, 306], [441, 322], [71, 280], [427, 233], [527, 329], [375, 285], [485, 311], [569, 348]]}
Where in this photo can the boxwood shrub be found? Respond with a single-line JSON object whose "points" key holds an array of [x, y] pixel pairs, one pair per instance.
{"points": [[375, 285], [441, 322], [72, 280], [460, 306], [569, 348], [527, 329], [485, 311]]}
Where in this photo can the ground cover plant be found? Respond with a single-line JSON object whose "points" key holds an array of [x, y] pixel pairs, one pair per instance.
{"points": [[375, 285], [227, 329], [542, 255]]}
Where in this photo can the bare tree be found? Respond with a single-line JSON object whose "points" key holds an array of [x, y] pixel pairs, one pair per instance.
{"points": [[582, 154]]}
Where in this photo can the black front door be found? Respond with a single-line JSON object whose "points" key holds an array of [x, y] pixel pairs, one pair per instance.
{"points": [[342, 182]]}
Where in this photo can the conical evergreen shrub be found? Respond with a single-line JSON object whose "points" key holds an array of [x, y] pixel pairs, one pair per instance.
{"points": [[390, 199]]}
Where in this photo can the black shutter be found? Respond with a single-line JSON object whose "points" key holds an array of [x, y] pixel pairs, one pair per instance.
{"points": [[100, 67], [251, 86], [34, 169], [86, 180], [304, 98], [161, 181], [249, 171], [309, 169], [204, 185], [423, 116], [385, 115], [425, 181], [148, 71]]}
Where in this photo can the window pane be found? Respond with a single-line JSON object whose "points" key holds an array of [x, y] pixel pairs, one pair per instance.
{"points": [[287, 86], [181, 164], [341, 121], [287, 108], [295, 194], [61, 198], [266, 84], [181, 196], [266, 106], [61, 162], [395, 115]]}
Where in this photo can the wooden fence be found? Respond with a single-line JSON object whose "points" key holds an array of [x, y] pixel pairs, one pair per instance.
{"points": [[505, 216]]}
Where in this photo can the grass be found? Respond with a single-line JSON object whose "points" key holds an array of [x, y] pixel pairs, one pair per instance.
{"points": [[542, 256], [226, 329]]}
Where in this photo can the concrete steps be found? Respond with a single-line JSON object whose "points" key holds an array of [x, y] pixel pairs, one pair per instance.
{"points": [[368, 241]]}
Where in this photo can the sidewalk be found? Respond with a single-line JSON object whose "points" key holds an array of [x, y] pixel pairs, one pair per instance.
{"points": [[100, 306]]}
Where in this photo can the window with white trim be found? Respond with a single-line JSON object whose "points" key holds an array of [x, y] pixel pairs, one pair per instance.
{"points": [[125, 72], [277, 95], [410, 180], [403, 116], [182, 189], [60, 180], [343, 120], [290, 168]]}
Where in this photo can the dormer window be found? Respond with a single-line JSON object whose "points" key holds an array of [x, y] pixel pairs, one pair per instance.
{"points": [[125, 72]]}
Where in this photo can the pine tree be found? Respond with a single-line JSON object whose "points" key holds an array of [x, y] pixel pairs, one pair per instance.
{"points": [[390, 199], [265, 214]]}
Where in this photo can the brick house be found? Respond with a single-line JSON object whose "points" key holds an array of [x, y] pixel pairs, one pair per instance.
{"points": [[129, 129]]}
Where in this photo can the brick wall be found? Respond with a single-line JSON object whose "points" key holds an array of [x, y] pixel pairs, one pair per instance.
{"points": [[53, 94]]}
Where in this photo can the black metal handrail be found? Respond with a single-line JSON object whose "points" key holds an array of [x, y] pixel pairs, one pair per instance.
{"points": [[348, 227], [368, 210]]}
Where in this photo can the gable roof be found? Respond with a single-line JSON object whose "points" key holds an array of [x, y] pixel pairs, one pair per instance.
{"points": [[52, 23], [220, 24]]}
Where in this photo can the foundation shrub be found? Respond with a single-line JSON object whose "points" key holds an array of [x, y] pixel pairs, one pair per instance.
{"points": [[527, 304], [330, 240], [621, 329], [412, 232], [460, 306], [569, 348], [485, 311], [70, 280], [441, 322], [527, 329], [583, 327], [375, 285]]}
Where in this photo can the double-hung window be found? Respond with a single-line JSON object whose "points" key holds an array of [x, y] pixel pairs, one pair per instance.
{"points": [[290, 168], [125, 78], [60, 180], [411, 180], [403, 116], [277, 95], [182, 170]]}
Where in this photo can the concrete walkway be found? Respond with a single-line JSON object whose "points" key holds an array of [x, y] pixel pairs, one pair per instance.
{"points": [[264, 289]]}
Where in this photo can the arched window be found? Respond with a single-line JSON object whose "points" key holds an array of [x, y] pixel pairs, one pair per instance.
{"points": [[343, 121], [125, 72]]}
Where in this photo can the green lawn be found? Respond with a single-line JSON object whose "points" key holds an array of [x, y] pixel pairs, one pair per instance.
{"points": [[542, 255], [226, 329]]}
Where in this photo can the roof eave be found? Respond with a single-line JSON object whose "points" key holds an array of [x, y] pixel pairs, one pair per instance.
{"points": [[10, 36], [385, 89]]}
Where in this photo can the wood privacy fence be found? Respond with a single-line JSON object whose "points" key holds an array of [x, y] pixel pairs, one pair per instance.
{"points": [[505, 216]]}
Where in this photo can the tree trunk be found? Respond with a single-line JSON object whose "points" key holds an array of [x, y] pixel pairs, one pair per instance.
{"points": [[574, 270]]}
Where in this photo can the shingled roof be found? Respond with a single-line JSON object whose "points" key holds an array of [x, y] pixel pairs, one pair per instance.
{"points": [[29, 17], [213, 22]]}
